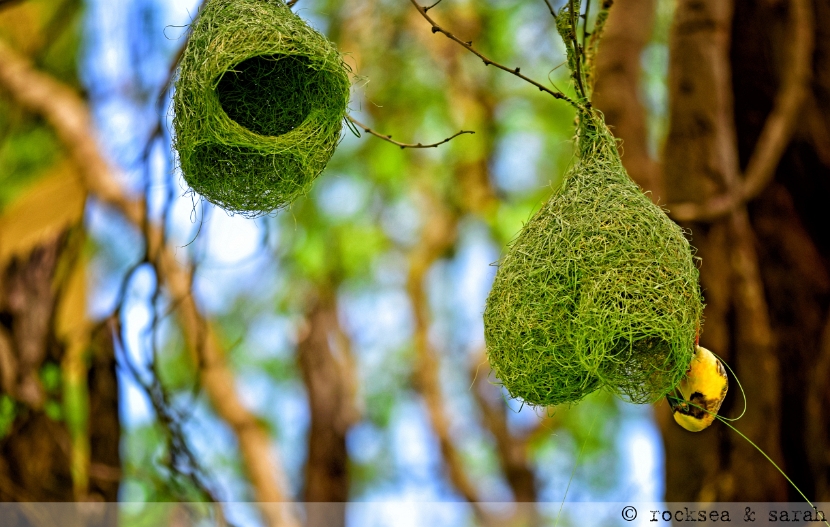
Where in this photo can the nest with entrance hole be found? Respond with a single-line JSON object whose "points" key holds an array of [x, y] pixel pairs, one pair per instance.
{"points": [[259, 104], [598, 290]]}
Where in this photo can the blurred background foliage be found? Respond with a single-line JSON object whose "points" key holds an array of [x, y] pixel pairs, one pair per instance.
{"points": [[397, 244]]}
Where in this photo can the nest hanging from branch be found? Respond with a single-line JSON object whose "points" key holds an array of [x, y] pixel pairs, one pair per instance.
{"points": [[259, 104], [599, 289]]}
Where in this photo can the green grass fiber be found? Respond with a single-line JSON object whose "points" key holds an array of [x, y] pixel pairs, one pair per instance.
{"points": [[259, 104], [598, 290]]}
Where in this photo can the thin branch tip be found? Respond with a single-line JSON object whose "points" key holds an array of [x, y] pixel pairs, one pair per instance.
{"points": [[468, 45], [388, 137], [430, 7]]}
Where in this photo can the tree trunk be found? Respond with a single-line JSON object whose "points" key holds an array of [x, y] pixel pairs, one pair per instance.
{"points": [[58, 385], [765, 270], [36, 451], [327, 368], [790, 224], [764, 266]]}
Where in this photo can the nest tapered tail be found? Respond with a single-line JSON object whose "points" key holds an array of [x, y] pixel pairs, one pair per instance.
{"points": [[259, 105], [598, 290]]}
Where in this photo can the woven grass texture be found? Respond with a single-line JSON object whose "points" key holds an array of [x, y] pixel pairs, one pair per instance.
{"points": [[259, 104], [598, 290]]}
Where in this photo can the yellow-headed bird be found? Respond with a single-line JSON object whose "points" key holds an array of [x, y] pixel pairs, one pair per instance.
{"points": [[704, 386]]}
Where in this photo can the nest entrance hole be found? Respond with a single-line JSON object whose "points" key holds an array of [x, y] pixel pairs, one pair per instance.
{"points": [[270, 94]]}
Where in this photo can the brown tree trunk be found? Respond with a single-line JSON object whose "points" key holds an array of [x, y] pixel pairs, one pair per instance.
{"points": [[764, 267], [765, 270], [790, 223], [54, 449], [327, 368], [35, 453], [701, 163], [617, 87]]}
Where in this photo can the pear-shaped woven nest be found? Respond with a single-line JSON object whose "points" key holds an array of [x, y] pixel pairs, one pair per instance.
{"points": [[598, 290], [259, 104]]}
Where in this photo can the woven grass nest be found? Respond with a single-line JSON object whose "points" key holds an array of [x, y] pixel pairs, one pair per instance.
{"points": [[598, 290], [259, 104]]}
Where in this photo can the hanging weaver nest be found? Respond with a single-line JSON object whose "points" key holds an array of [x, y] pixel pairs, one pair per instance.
{"points": [[599, 289], [259, 105]]}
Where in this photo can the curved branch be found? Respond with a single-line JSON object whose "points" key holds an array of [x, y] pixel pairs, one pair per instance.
{"points": [[778, 128], [468, 45], [512, 449], [68, 115], [437, 236], [388, 138]]}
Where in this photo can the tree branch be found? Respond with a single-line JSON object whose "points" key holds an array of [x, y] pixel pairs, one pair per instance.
{"points": [[67, 113], [388, 138], [468, 45], [327, 366], [512, 451], [550, 8], [437, 236], [777, 131]]}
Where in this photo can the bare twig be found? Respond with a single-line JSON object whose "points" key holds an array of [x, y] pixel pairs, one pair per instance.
{"points": [[468, 45], [388, 138], [433, 5], [68, 115], [291, 3], [777, 130], [180, 459], [550, 7]]}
